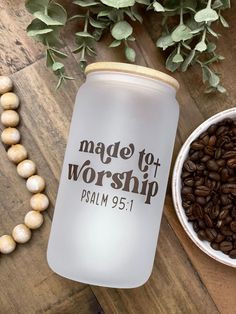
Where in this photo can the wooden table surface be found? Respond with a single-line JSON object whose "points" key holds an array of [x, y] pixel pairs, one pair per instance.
{"points": [[184, 279]]}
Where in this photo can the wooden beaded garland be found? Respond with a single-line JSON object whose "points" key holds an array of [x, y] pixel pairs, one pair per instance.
{"points": [[26, 169], [10, 118]]}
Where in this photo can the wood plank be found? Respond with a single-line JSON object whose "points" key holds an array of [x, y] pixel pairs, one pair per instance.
{"points": [[29, 285], [168, 289], [45, 123], [17, 50], [215, 276]]}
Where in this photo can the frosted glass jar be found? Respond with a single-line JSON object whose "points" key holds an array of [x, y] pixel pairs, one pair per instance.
{"points": [[114, 177]]}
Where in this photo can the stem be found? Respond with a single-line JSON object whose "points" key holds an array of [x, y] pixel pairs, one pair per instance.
{"points": [[178, 49], [209, 4], [181, 16], [86, 22], [181, 13], [204, 35]]}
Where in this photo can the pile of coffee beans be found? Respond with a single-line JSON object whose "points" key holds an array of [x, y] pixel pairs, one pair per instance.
{"points": [[209, 186]]}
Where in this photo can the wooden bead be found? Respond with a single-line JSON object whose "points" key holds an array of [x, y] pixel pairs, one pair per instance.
{"points": [[10, 136], [33, 219], [9, 101], [39, 202], [35, 184], [10, 118], [21, 233], [6, 84], [17, 153], [7, 244], [26, 168]]}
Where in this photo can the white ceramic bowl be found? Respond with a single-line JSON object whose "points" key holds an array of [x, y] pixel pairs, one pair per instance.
{"points": [[176, 188]]}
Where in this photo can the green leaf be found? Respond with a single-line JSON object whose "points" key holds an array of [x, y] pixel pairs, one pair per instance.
{"points": [[165, 42], [118, 3], [221, 89], [121, 30], [57, 66], [53, 39], [85, 4], [37, 27], [201, 46], [130, 54], [170, 65], [84, 34], [223, 21], [188, 61], [178, 58], [115, 43], [217, 4], [182, 32], [49, 60], [103, 13], [190, 4], [213, 33], [57, 13], [58, 53], [33, 6], [76, 16], [211, 47], [158, 7], [206, 15], [136, 14], [96, 24], [146, 2], [70, 78], [213, 79], [60, 81], [46, 19]]}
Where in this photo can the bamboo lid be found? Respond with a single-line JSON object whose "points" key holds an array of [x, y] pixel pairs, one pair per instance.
{"points": [[133, 69]]}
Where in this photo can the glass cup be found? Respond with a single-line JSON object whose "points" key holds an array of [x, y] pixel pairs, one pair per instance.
{"points": [[114, 176]]}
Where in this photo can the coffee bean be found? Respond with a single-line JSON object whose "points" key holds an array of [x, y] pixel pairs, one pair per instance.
{"points": [[190, 166], [201, 224], [224, 175], [201, 200], [228, 188], [209, 150], [212, 129], [186, 190], [189, 182], [211, 234], [226, 246], [202, 235], [212, 140], [214, 212], [226, 231], [208, 220], [214, 176], [233, 213], [233, 226], [229, 154], [231, 163], [223, 214], [219, 238], [202, 190], [212, 165], [232, 253], [197, 146], [196, 226], [209, 186], [215, 246]]}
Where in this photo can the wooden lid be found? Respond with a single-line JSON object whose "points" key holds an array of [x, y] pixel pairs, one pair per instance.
{"points": [[133, 69]]}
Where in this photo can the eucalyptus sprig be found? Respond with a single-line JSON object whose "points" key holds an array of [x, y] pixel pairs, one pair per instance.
{"points": [[187, 31]]}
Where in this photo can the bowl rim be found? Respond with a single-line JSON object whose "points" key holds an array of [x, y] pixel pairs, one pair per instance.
{"points": [[176, 184]]}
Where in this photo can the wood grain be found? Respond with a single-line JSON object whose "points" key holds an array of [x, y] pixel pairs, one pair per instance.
{"points": [[184, 280]]}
